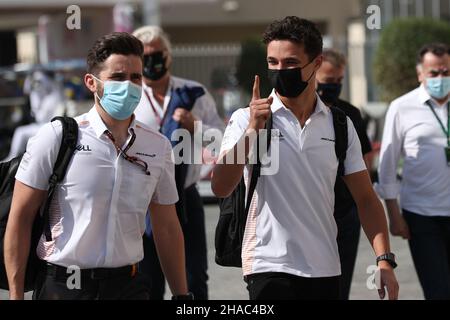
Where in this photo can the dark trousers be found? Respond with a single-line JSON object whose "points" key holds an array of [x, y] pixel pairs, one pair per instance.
{"points": [[283, 286], [55, 287], [349, 230], [430, 250], [195, 252]]}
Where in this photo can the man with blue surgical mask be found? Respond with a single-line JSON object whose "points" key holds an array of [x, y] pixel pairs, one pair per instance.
{"points": [[120, 169], [417, 131]]}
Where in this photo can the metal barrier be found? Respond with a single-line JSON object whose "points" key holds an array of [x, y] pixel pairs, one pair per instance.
{"points": [[213, 65]]}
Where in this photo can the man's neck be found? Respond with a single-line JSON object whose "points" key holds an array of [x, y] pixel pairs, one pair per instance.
{"points": [[302, 106], [160, 86], [118, 128], [441, 102]]}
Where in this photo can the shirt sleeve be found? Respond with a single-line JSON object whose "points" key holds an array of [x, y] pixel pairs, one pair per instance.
{"points": [[166, 189], [388, 186], [354, 161], [40, 156], [235, 129]]}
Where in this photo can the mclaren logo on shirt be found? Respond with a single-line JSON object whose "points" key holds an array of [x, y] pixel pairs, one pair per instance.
{"points": [[328, 139], [146, 155]]}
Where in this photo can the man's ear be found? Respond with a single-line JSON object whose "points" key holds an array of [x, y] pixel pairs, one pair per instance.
{"points": [[90, 83], [420, 75], [318, 62]]}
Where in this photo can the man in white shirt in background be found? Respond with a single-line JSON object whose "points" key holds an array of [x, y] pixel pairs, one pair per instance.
{"points": [[46, 98], [159, 87], [97, 215], [417, 131]]}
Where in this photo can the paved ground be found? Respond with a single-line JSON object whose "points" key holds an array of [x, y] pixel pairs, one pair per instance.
{"points": [[227, 284]]}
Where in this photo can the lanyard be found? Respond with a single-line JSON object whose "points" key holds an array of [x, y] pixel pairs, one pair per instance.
{"points": [[119, 149], [123, 153], [446, 131], [156, 113]]}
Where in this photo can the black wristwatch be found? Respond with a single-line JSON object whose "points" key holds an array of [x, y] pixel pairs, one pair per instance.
{"points": [[389, 257], [187, 296]]}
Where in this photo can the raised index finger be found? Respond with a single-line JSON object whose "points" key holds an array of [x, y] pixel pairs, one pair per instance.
{"points": [[256, 94]]}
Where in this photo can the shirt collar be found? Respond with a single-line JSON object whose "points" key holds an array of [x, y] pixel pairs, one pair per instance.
{"points": [[320, 106], [99, 126], [278, 105], [148, 90], [424, 96], [172, 84]]}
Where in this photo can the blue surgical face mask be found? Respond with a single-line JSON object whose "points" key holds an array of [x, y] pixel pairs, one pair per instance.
{"points": [[439, 87], [120, 98]]}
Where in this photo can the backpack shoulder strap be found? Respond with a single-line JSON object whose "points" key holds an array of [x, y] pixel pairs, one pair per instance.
{"points": [[341, 134], [66, 150], [256, 169]]}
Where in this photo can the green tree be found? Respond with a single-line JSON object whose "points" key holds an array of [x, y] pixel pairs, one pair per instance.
{"points": [[252, 61], [395, 58]]}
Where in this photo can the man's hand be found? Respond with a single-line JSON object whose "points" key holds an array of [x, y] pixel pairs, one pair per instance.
{"points": [[185, 118], [388, 280], [399, 227], [259, 108], [397, 223]]}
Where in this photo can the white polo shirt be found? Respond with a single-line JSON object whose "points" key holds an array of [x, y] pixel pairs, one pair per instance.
{"points": [[151, 113], [97, 215], [412, 133], [290, 227]]}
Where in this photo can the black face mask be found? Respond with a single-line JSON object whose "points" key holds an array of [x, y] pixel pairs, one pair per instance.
{"points": [[329, 92], [154, 66], [288, 82]]}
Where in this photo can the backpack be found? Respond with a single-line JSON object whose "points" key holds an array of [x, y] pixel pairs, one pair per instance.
{"points": [[234, 209], [41, 223]]}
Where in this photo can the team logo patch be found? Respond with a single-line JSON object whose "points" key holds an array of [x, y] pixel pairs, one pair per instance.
{"points": [[146, 155]]}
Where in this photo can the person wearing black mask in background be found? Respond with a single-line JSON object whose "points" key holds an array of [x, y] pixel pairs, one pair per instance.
{"points": [[289, 248], [169, 103], [329, 85]]}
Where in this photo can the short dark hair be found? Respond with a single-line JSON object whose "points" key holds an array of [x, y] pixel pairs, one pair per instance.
{"points": [[113, 43], [438, 49], [335, 57], [297, 30]]}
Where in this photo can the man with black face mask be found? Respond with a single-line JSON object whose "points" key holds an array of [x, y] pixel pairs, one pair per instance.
{"points": [[169, 103], [329, 84], [289, 248]]}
